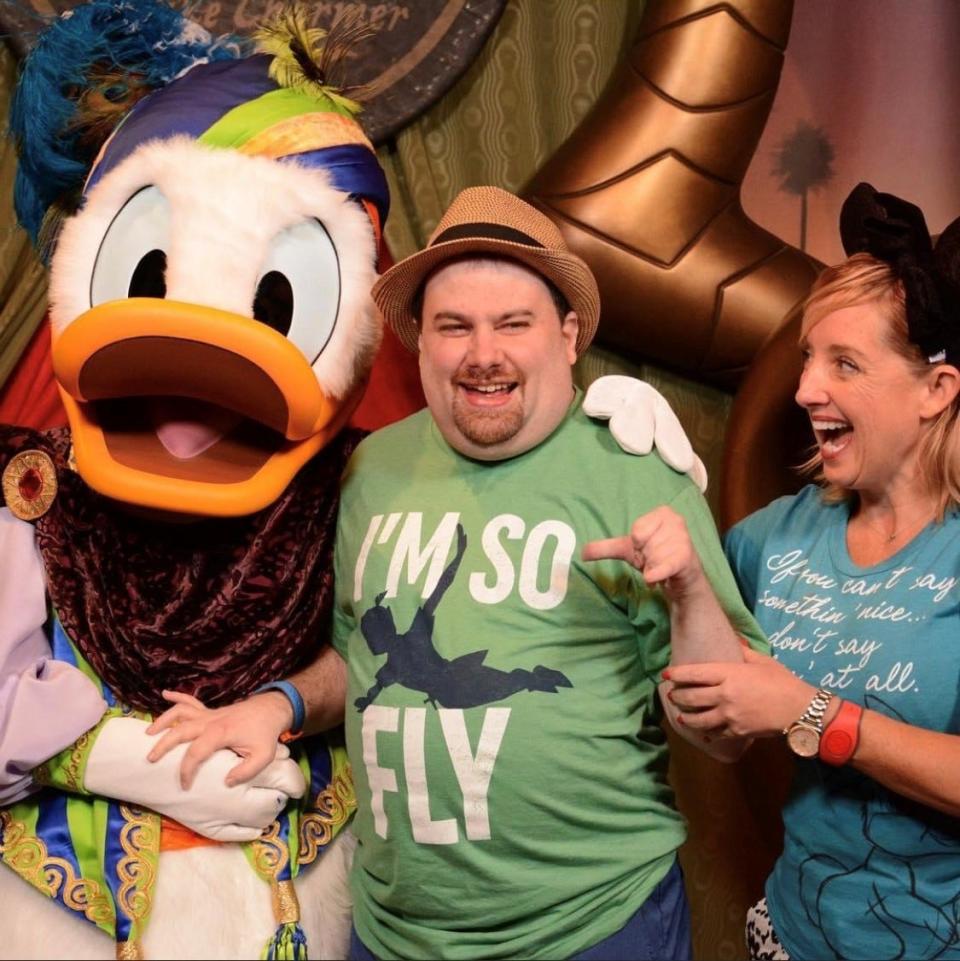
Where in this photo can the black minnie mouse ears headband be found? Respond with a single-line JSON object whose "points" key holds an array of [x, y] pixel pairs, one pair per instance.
{"points": [[894, 231]]}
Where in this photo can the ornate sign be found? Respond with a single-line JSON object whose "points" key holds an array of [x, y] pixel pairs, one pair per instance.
{"points": [[416, 49]]}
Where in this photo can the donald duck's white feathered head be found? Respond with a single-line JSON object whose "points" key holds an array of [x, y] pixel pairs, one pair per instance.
{"points": [[212, 224]]}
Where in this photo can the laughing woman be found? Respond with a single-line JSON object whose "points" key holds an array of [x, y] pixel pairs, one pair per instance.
{"points": [[855, 583]]}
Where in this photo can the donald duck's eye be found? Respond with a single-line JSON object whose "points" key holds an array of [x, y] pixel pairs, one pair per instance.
{"points": [[298, 293], [131, 261], [273, 303], [149, 276]]}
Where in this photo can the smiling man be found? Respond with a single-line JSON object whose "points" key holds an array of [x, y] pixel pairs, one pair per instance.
{"points": [[494, 361], [505, 640]]}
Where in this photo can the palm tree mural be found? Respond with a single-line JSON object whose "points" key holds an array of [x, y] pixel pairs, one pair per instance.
{"points": [[804, 161]]}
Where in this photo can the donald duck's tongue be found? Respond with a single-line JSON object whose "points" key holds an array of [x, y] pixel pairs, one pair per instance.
{"points": [[187, 428]]}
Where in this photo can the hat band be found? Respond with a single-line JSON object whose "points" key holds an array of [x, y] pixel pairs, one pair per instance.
{"points": [[486, 232]]}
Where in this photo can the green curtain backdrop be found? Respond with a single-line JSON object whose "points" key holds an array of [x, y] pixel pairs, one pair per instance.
{"points": [[538, 75]]}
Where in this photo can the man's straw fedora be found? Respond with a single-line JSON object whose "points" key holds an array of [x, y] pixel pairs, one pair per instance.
{"points": [[487, 220]]}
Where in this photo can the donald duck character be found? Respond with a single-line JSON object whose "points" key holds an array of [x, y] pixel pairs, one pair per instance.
{"points": [[211, 221]]}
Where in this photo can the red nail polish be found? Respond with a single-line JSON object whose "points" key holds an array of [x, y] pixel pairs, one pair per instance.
{"points": [[666, 675], [680, 719]]}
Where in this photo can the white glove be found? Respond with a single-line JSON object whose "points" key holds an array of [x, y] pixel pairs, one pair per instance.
{"points": [[118, 768], [640, 417]]}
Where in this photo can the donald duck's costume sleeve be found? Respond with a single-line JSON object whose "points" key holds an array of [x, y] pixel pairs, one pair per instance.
{"points": [[32, 685]]}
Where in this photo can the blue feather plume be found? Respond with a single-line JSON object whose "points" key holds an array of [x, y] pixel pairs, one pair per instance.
{"points": [[137, 46]]}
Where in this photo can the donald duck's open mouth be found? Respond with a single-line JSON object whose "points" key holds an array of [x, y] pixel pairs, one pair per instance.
{"points": [[188, 428], [183, 407], [185, 438]]}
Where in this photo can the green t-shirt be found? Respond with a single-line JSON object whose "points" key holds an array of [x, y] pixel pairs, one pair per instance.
{"points": [[502, 716]]}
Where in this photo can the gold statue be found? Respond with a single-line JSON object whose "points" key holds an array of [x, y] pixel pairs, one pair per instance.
{"points": [[647, 190]]}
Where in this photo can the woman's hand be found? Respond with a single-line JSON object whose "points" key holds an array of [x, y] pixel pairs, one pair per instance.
{"points": [[756, 698]]}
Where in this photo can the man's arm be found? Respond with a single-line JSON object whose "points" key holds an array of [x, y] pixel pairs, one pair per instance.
{"points": [[323, 687], [252, 728], [660, 548], [699, 631]]}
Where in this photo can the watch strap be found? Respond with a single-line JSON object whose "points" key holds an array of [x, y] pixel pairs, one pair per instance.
{"points": [[842, 736], [294, 697], [816, 709]]}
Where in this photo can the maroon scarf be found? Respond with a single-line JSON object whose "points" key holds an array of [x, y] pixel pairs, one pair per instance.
{"points": [[213, 607]]}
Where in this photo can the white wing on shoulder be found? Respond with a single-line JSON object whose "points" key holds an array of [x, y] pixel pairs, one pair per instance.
{"points": [[641, 419]]}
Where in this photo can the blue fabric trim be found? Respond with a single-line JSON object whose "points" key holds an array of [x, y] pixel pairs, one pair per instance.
{"points": [[63, 650], [112, 855], [354, 169], [286, 873], [53, 831], [321, 764]]}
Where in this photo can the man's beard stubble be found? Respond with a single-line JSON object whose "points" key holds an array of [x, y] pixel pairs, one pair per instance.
{"points": [[486, 426]]}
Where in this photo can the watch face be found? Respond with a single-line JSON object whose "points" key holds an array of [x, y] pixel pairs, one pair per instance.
{"points": [[803, 740]]}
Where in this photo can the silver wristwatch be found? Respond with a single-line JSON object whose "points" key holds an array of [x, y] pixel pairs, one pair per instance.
{"points": [[803, 736]]}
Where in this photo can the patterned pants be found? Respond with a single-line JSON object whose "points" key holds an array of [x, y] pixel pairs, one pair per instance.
{"points": [[762, 942]]}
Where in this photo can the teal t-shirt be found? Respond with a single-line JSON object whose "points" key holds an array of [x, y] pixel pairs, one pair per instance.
{"points": [[864, 872], [501, 712]]}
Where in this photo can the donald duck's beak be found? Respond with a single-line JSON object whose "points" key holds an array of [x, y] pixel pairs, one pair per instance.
{"points": [[190, 406]]}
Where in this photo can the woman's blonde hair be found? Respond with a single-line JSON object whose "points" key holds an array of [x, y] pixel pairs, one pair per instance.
{"points": [[863, 279]]}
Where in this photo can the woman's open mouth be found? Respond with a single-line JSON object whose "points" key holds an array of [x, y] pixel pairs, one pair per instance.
{"points": [[832, 435]]}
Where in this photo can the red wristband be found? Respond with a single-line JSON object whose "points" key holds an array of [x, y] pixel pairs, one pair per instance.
{"points": [[842, 735]]}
